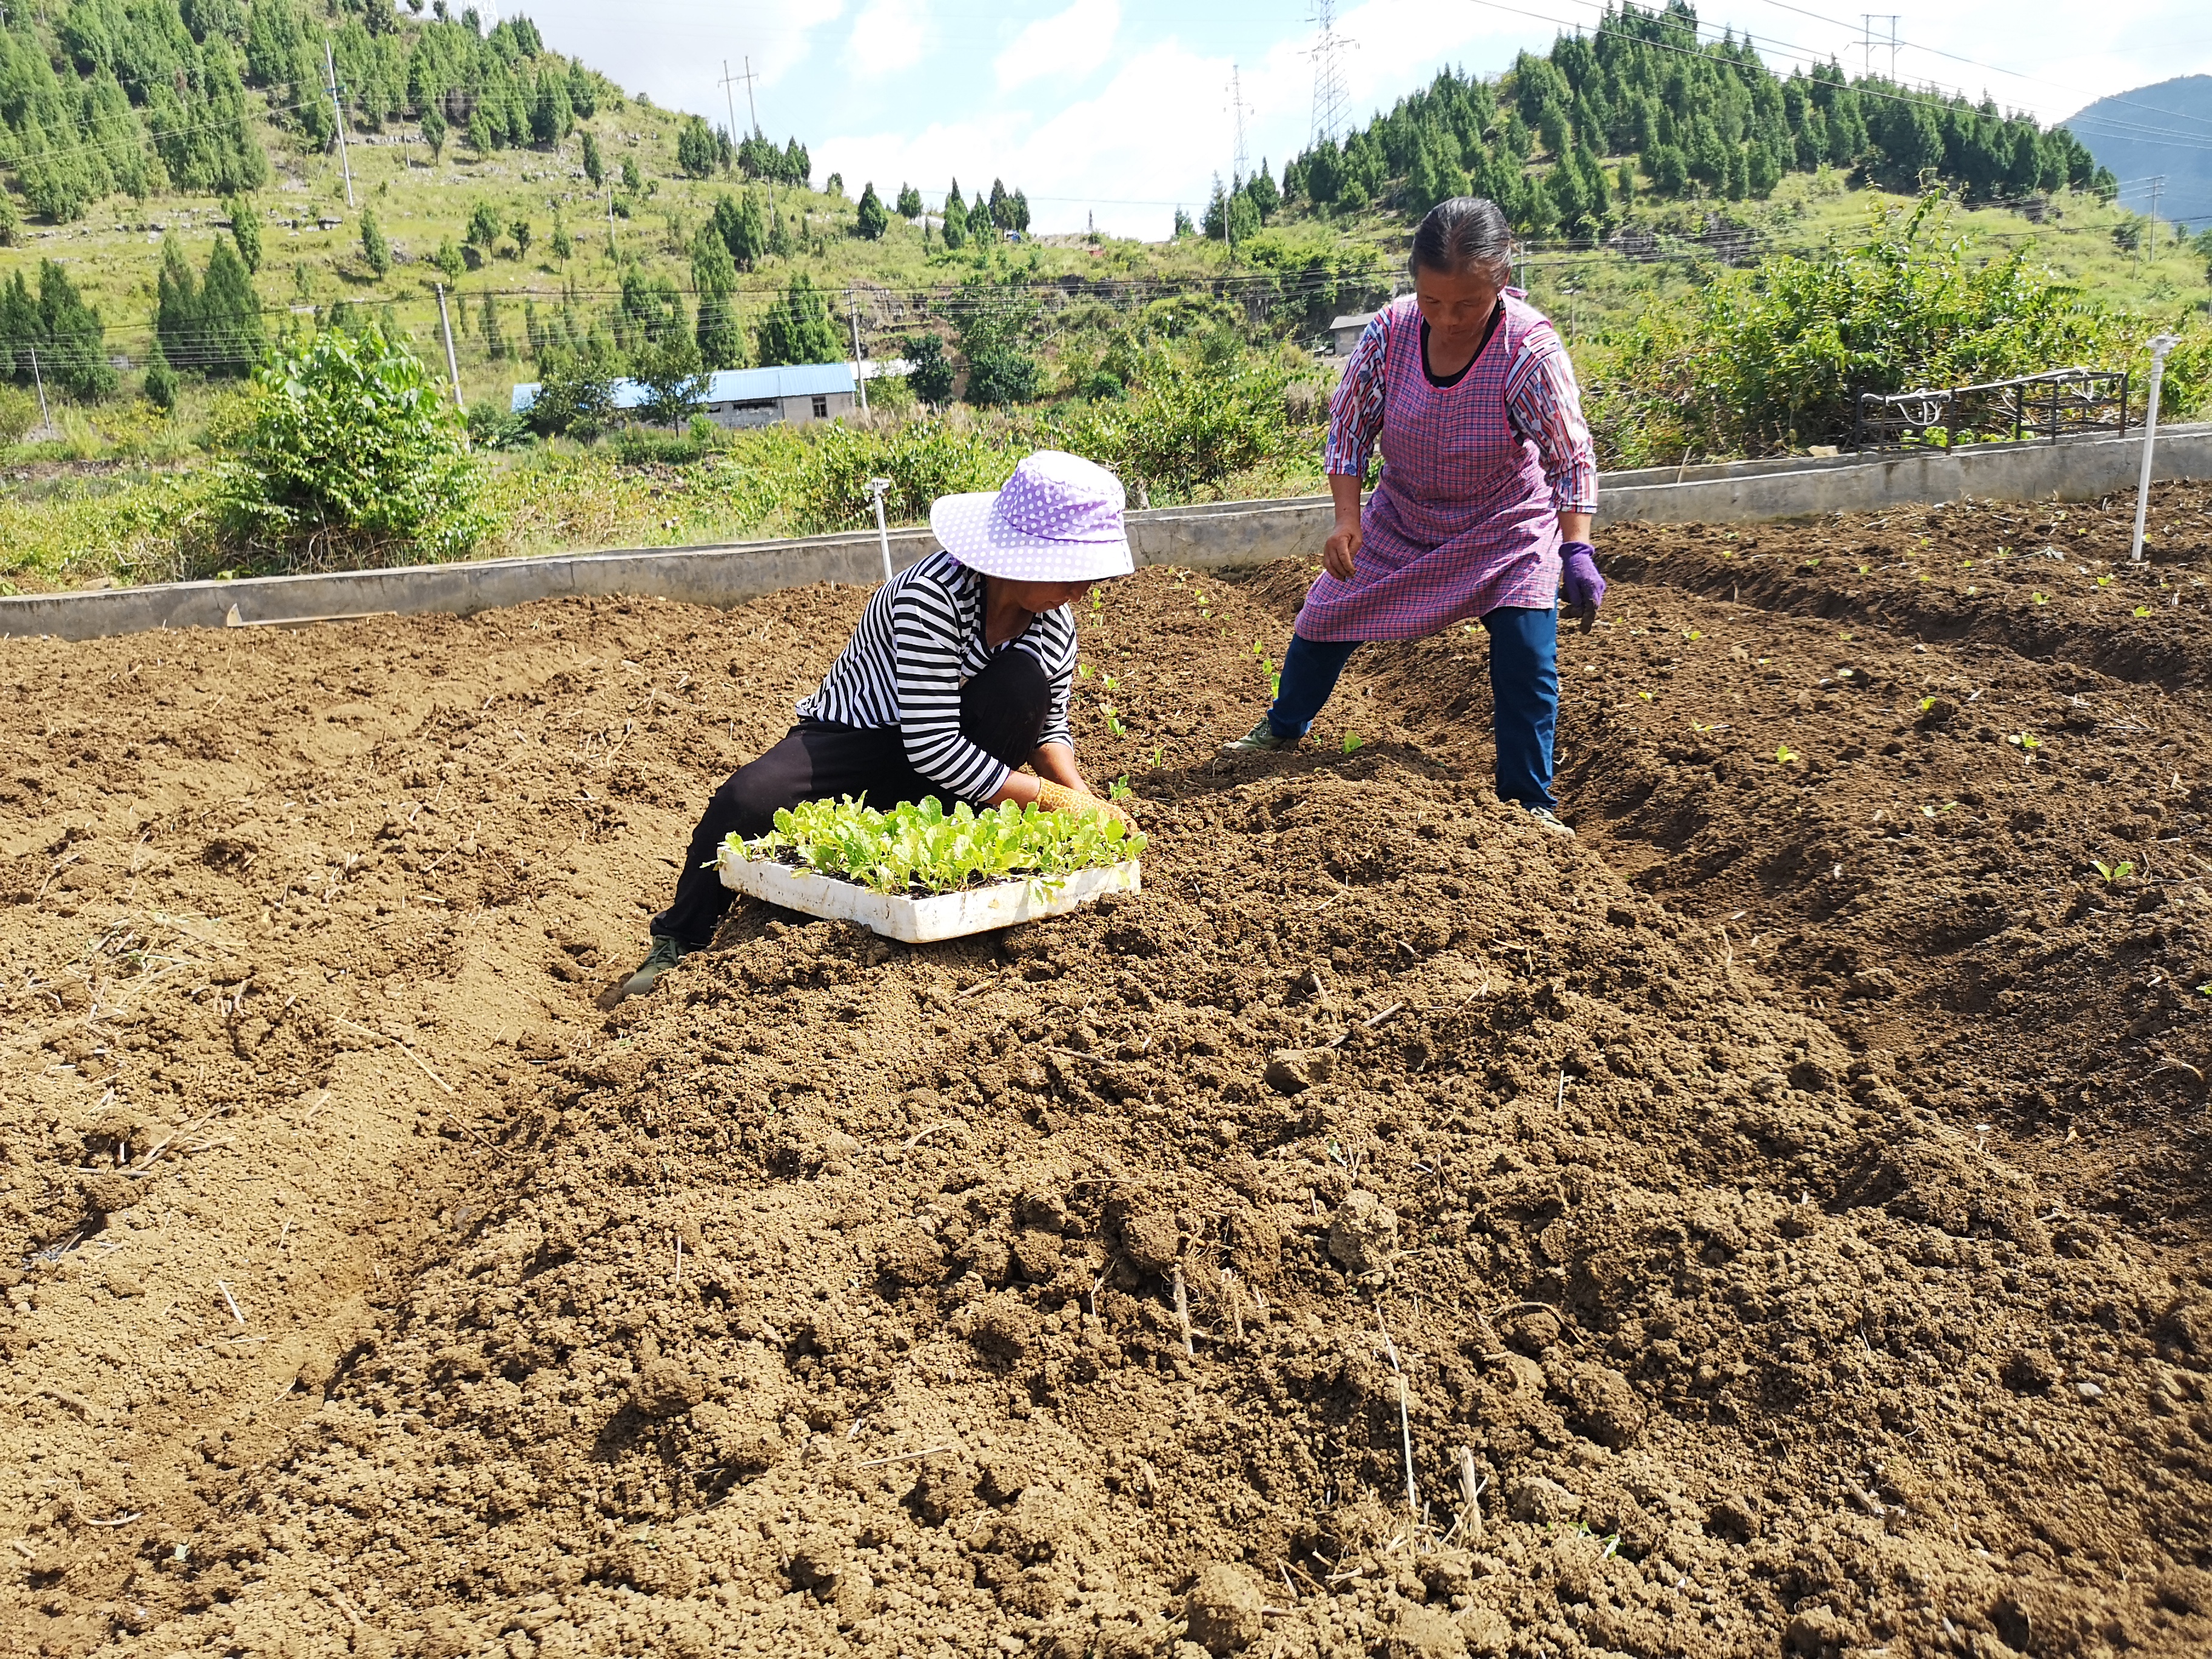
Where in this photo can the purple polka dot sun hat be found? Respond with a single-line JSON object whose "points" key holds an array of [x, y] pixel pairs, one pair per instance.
{"points": [[1058, 520]]}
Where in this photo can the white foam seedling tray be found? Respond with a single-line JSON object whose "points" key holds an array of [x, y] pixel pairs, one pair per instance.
{"points": [[923, 921]]}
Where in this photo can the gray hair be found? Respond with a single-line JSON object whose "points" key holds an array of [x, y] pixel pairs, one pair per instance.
{"points": [[1467, 232]]}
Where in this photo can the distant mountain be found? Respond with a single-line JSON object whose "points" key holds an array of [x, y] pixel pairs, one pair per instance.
{"points": [[2164, 129]]}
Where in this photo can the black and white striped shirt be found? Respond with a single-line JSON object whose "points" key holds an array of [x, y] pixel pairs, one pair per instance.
{"points": [[919, 642]]}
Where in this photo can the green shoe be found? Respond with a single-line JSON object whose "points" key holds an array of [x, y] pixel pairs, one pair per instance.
{"points": [[665, 954], [1259, 740], [1551, 821]]}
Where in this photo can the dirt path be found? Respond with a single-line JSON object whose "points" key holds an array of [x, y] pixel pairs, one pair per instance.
{"points": [[1789, 1195]]}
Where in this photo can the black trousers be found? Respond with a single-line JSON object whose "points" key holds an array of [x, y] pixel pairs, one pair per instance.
{"points": [[1002, 712]]}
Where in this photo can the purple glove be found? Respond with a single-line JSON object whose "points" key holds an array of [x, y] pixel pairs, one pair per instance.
{"points": [[1578, 576]]}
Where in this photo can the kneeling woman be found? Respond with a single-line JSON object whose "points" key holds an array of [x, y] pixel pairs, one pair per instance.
{"points": [[958, 674]]}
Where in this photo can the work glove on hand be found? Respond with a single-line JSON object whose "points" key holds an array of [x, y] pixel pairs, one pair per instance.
{"points": [[1058, 797], [1583, 586]]}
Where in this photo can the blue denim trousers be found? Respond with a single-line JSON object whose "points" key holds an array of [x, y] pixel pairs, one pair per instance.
{"points": [[1525, 689]]}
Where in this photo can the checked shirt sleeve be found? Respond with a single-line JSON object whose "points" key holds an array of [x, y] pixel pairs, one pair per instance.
{"points": [[1545, 408], [1355, 413]]}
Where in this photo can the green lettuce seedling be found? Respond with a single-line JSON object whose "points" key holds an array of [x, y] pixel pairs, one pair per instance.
{"points": [[923, 849]]}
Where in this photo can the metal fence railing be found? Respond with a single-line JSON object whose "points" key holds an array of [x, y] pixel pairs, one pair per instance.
{"points": [[2064, 403]]}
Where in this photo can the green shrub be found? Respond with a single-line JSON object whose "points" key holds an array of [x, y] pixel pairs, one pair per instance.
{"points": [[19, 413], [576, 393], [923, 459], [348, 446], [1186, 430], [1772, 358]]}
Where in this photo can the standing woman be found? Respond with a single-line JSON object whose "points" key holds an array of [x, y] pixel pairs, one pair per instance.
{"points": [[1483, 508], [958, 674]]}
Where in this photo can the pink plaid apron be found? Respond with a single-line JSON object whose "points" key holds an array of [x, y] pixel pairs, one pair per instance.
{"points": [[1463, 520]]}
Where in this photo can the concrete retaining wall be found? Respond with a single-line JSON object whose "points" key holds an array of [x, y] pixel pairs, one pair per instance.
{"points": [[1216, 536]]}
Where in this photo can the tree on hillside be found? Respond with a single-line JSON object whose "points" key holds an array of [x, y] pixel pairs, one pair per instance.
{"points": [[244, 230], [715, 278], [552, 114], [694, 148], [675, 389], [909, 202], [955, 219], [873, 221], [210, 324], [433, 132], [521, 231], [483, 227], [742, 227], [374, 248], [595, 168], [796, 328], [1260, 187], [53, 335], [994, 338], [160, 385], [931, 375]]}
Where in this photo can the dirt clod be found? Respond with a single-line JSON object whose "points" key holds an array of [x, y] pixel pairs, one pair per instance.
{"points": [[1222, 1611], [1293, 1071], [1363, 1233]]}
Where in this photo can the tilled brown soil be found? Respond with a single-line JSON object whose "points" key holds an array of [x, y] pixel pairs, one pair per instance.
{"points": [[1785, 1201]]}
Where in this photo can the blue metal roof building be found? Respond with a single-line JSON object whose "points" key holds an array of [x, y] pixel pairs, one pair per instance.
{"points": [[797, 393]]}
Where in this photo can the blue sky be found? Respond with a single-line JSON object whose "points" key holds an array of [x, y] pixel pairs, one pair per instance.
{"points": [[1121, 108]]}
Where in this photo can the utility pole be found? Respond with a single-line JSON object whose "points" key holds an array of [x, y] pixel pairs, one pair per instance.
{"points": [[2150, 231], [1866, 20], [730, 99], [330, 65], [859, 369], [752, 109], [452, 363], [609, 184], [46, 420]]}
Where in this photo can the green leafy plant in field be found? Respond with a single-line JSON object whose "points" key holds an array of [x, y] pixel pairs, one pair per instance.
{"points": [[922, 848], [348, 446], [1772, 358], [2111, 874]]}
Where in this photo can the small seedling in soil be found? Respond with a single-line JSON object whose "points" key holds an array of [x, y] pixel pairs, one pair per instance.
{"points": [[1112, 720], [1083, 670], [2023, 741], [1646, 696], [2110, 873], [1786, 756], [2143, 610], [2039, 598], [2104, 581], [1937, 812], [1118, 789], [1351, 742]]}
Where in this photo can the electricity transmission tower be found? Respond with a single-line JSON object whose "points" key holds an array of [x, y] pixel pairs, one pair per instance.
{"points": [[1239, 162], [1329, 97]]}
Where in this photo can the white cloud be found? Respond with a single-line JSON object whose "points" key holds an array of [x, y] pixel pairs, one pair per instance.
{"points": [[674, 49], [888, 37], [1069, 46]]}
